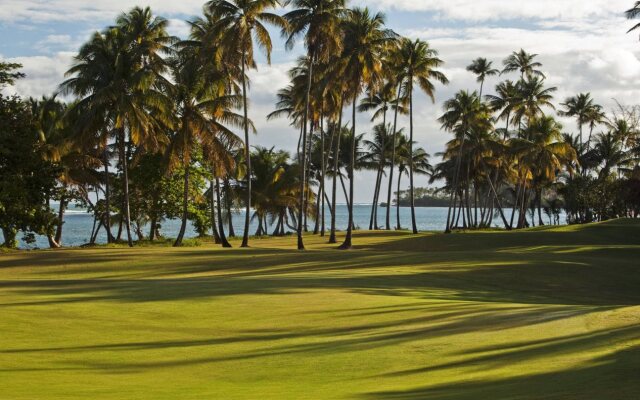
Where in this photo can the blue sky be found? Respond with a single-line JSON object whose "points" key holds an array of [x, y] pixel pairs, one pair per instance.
{"points": [[582, 43]]}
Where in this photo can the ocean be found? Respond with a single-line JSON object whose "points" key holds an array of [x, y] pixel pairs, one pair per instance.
{"points": [[78, 223]]}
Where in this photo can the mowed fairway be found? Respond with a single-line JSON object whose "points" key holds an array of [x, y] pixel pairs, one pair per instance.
{"points": [[551, 313]]}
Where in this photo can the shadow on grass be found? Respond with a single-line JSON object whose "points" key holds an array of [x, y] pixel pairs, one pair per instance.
{"points": [[614, 376]]}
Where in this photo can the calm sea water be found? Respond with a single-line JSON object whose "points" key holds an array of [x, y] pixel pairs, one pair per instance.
{"points": [[78, 224]]}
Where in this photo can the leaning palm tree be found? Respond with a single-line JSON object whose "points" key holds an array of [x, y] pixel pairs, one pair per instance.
{"points": [[320, 22], [239, 24], [482, 68], [523, 62], [419, 63], [365, 40]]}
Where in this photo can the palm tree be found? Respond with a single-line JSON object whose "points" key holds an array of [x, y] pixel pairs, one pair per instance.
{"points": [[118, 76], [203, 109], [320, 22], [74, 159], [522, 62], [503, 102], [463, 114], [365, 41], [542, 154], [239, 24], [419, 160], [418, 66], [581, 107], [531, 99], [482, 68]]}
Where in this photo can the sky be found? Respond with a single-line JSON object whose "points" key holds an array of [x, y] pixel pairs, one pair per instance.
{"points": [[583, 45]]}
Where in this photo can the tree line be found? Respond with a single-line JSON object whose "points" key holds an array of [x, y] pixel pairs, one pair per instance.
{"points": [[159, 128]]}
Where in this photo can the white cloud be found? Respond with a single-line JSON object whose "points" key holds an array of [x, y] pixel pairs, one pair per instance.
{"points": [[37, 11], [492, 10]]}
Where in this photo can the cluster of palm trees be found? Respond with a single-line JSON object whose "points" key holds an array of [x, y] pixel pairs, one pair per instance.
{"points": [[140, 91], [145, 98], [529, 161]]}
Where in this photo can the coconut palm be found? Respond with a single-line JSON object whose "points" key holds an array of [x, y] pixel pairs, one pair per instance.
{"points": [[482, 68], [531, 99], [463, 114], [503, 102], [319, 21], [118, 76], [365, 41], [203, 110], [419, 63], [541, 153], [419, 160], [523, 62], [239, 24], [581, 107]]}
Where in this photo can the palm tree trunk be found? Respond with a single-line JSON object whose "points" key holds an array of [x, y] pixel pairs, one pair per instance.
{"points": [[374, 202], [125, 173], [303, 161], [308, 191], [414, 227], [61, 209], [336, 164], [393, 158], [352, 160], [185, 205], [107, 199], [214, 227], [247, 155], [455, 181], [323, 168], [223, 238], [398, 225], [540, 222], [376, 194], [344, 189], [228, 202]]}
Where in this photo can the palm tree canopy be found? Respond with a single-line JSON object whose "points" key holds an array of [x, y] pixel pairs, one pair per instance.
{"points": [[523, 62], [482, 68]]}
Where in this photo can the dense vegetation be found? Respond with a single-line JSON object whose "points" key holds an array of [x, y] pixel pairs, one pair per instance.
{"points": [[159, 127]]}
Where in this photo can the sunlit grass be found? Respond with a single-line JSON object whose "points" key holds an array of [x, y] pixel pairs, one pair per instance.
{"points": [[549, 313]]}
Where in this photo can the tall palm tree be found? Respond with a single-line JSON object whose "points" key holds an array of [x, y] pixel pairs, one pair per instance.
{"points": [[320, 22], [419, 67], [482, 68], [523, 62], [365, 40], [542, 154], [203, 110], [462, 114], [240, 23], [419, 160], [118, 76]]}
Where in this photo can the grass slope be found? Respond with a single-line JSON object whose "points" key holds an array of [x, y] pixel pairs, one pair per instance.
{"points": [[549, 313]]}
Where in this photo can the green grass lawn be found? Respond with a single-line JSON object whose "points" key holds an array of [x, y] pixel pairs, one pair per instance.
{"points": [[549, 313]]}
